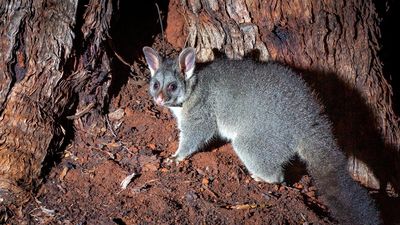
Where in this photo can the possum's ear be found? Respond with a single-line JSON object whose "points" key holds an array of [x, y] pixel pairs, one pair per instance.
{"points": [[153, 59], [187, 61]]}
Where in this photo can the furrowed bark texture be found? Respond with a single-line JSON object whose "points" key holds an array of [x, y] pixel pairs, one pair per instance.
{"points": [[49, 51], [335, 43]]}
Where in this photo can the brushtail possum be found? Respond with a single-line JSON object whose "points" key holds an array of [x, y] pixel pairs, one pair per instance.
{"points": [[269, 115]]}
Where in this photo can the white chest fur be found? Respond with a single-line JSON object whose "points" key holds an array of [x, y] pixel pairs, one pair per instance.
{"points": [[177, 111]]}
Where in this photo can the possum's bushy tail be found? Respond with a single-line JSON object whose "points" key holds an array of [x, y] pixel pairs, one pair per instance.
{"points": [[348, 202]]}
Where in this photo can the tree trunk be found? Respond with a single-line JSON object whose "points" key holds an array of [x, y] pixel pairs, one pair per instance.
{"points": [[334, 43], [49, 52]]}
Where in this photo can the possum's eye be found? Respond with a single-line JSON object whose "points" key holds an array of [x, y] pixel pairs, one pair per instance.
{"points": [[156, 85], [172, 87]]}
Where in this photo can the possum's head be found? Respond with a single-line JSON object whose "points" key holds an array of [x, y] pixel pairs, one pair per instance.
{"points": [[169, 77]]}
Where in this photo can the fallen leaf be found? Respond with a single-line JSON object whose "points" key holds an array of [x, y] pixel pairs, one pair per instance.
{"points": [[125, 182], [64, 173]]}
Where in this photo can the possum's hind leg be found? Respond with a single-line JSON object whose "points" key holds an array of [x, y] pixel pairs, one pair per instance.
{"points": [[262, 158]]}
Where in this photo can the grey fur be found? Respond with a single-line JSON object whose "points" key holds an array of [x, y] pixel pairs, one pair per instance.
{"points": [[269, 115]]}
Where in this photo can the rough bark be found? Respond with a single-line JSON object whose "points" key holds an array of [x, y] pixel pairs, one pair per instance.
{"points": [[334, 43], [49, 51]]}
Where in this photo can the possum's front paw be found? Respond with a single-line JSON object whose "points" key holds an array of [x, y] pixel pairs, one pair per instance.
{"points": [[276, 178], [171, 160], [179, 155], [175, 158]]}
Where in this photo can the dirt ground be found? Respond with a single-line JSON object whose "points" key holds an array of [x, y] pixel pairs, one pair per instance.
{"points": [[134, 139]]}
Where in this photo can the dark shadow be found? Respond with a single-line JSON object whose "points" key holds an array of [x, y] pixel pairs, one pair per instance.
{"points": [[253, 55], [388, 11], [214, 144], [353, 123], [358, 134], [389, 207], [294, 170], [135, 27], [356, 131], [118, 221]]}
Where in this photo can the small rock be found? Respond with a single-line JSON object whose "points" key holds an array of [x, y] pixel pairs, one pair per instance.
{"points": [[152, 146], [298, 186], [116, 115], [150, 167], [205, 181]]}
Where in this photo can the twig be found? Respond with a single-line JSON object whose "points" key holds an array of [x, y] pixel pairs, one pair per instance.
{"points": [[110, 43], [248, 206], [162, 28], [110, 127], [122, 60], [81, 113]]}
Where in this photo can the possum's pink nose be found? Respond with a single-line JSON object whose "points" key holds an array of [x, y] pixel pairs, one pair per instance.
{"points": [[160, 100]]}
